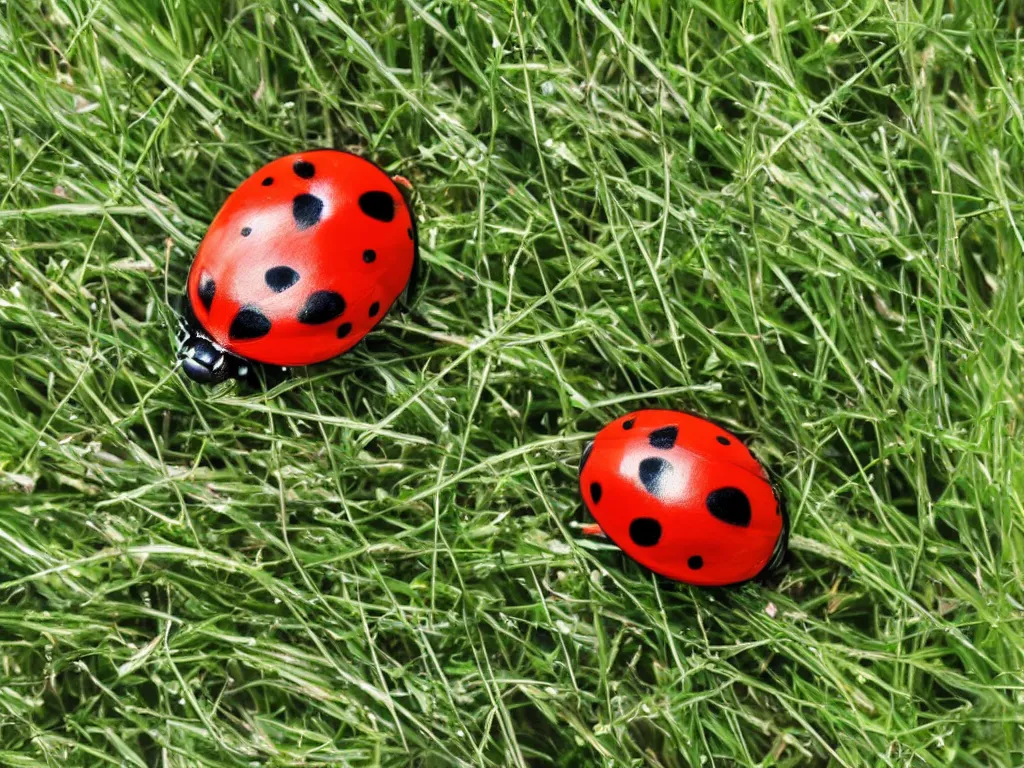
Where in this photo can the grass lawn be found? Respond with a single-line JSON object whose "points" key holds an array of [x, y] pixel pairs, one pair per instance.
{"points": [[802, 219]]}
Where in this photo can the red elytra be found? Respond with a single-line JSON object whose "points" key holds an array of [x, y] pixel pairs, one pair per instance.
{"points": [[683, 497], [299, 264]]}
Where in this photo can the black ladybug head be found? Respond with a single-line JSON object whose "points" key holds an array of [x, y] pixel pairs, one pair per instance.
{"points": [[203, 362]]}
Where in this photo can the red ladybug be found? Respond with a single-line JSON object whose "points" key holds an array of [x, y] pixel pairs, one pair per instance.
{"points": [[683, 497], [300, 263]]}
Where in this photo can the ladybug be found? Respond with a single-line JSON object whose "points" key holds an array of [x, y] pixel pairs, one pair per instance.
{"points": [[683, 497], [302, 261]]}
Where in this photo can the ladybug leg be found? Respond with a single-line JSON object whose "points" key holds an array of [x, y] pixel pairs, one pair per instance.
{"points": [[183, 331], [592, 529]]}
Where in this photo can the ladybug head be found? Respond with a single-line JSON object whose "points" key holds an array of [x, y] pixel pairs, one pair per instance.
{"points": [[203, 361], [206, 362]]}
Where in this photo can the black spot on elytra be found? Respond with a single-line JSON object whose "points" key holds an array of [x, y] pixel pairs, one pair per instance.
{"points": [[369, 256], [696, 562], [651, 470], [303, 169], [409, 233], [321, 307], [663, 438], [267, 181], [207, 289], [377, 205], [723, 440], [306, 210], [281, 278], [246, 231], [374, 309], [730, 505], [249, 323], [628, 423], [344, 329], [595, 492], [645, 531]]}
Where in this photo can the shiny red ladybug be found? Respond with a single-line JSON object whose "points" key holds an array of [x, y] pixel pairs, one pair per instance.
{"points": [[300, 263], [684, 498]]}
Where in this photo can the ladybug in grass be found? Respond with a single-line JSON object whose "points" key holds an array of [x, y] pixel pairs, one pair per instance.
{"points": [[683, 497], [300, 263]]}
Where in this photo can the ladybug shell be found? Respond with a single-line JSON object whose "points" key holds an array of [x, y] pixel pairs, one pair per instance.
{"points": [[303, 259], [682, 497]]}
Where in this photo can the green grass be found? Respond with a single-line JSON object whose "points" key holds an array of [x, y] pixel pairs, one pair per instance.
{"points": [[802, 219]]}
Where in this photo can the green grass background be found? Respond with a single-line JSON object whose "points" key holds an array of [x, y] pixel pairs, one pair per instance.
{"points": [[799, 218]]}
